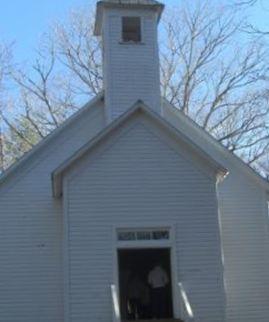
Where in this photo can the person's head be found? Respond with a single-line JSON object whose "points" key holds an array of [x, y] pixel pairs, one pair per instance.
{"points": [[155, 265]]}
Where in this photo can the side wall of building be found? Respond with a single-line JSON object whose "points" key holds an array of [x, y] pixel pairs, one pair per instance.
{"points": [[245, 234], [245, 237], [31, 278], [136, 178]]}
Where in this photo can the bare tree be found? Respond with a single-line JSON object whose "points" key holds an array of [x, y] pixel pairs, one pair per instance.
{"points": [[80, 52], [44, 99], [246, 2], [1, 131], [218, 84], [204, 72], [5, 56], [248, 5]]}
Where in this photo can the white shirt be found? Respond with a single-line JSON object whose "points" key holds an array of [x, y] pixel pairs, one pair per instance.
{"points": [[158, 277]]}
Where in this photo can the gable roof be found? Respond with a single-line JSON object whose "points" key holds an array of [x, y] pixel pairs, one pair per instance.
{"points": [[199, 131], [14, 168], [139, 107]]}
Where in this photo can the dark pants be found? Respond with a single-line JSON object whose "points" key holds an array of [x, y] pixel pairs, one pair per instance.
{"points": [[136, 308], [158, 302]]}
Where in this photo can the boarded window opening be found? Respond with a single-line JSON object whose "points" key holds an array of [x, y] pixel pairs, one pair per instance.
{"points": [[131, 29]]}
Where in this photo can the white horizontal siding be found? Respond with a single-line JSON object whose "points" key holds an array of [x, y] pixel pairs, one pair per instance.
{"points": [[131, 71], [245, 241], [31, 233], [139, 179], [31, 272], [245, 233]]}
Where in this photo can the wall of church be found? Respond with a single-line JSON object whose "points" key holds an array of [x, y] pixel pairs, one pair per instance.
{"points": [[245, 233], [136, 177], [31, 221], [246, 247]]}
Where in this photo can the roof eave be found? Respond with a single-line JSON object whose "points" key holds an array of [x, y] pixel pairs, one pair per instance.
{"points": [[249, 170], [25, 158]]}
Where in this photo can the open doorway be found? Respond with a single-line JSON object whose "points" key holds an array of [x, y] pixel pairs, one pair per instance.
{"points": [[145, 283]]}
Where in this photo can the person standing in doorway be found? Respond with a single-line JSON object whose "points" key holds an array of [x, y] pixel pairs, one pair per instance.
{"points": [[158, 281], [135, 294]]}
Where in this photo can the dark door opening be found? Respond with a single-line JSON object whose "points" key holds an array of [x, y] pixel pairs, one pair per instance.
{"points": [[145, 283]]}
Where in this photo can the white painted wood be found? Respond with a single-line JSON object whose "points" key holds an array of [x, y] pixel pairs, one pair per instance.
{"points": [[132, 180], [30, 219], [207, 164], [170, 243], [57, 255], [138, 4], [115, 303], [188, 316], [244, 222], [131, 70], [31, 227], [65, 269]]}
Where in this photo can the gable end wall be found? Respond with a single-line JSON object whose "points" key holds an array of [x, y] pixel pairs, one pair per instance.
{"points": [[139, 179]]}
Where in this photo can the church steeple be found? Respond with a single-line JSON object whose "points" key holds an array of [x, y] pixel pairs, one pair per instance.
{"points": [[130, 53]]}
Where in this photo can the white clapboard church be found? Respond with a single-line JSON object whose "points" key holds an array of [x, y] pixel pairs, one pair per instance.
{"points": [[127, 183]]}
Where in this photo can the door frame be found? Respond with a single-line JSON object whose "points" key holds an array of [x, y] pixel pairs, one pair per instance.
{"points": [[156, 244]]}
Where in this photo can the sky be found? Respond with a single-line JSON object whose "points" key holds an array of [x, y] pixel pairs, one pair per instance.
{"points": [[24, 21]]}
